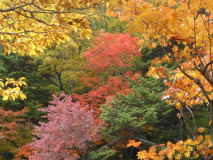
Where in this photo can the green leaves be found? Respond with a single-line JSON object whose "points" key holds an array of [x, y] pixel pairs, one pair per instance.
{"points": [[103, 153], [138, 109]]}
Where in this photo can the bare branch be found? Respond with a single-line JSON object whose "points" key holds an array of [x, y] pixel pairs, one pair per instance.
{"points": [[17, 33], [33, 17], [15, 8]]}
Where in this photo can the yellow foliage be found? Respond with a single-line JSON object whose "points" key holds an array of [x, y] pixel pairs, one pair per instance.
{"points": [[184, 27], [28, 27], [200, 147], [157, 72], [10, 89]]}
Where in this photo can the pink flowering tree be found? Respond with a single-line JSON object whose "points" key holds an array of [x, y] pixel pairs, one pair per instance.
{"points": [[67, 133]]}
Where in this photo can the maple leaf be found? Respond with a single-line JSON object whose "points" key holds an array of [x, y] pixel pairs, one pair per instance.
{"points": [[141, 155], [133, 143]]}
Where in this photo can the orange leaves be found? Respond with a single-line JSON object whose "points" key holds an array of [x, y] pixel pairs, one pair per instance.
{"points": [[172, 2], [176, 28], [149, 155], [156, 61], [205, 148], [111, 13], [182, 89], [200, 147], [157, 72], [166, 59], [133, 143], [10, 123], [167, 25], [181, 38], [179, 105], [25, 152], [74, 152], [175, 48], [142, 155]]}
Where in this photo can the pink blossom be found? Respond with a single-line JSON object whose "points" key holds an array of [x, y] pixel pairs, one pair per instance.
{"points": [[70, 128]]}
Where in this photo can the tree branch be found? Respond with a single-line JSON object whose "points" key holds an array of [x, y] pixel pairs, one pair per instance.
{"points": [[16, 33], [15, 8]]}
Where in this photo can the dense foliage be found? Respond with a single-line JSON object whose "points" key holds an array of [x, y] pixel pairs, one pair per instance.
{"points": [[69, 130], [117, 51], [106, 79], [141, 112]]}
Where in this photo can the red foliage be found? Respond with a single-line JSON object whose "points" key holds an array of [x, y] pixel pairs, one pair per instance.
{"points": [[90, 80], [98, 96], [112, 51]]}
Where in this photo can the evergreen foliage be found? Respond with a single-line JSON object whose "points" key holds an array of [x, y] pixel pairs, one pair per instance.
{"points": [[37, 94], [138, 112]]}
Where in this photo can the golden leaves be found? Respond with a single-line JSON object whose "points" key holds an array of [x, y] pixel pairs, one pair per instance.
{"points": [[184, 90], [172, 2], [157, 72], [32, 28], [201, 146], [140, 155], [187, 38], [166, 59], [148, 155], [11, 89], [164, 23], [114, 3]]}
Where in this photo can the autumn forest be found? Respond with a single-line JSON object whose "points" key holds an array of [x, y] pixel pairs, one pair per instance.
{"points": [[106, 79]]}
